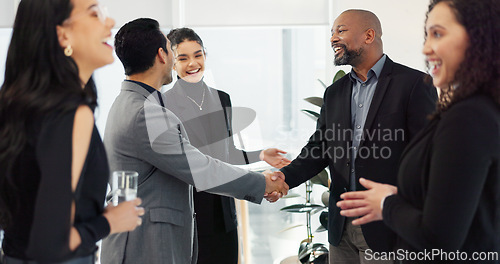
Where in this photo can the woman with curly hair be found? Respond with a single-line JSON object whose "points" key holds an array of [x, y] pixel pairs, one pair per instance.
{"points": [[53, 167], [448, 194]]}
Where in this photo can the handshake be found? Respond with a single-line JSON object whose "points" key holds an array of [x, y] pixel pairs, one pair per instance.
{"points": [[275, 185]]}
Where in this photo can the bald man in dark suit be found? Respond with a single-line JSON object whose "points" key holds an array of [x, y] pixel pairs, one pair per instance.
{"points": [[367, 119]]}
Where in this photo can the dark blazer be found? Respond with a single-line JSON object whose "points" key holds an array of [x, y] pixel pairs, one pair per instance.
{"points": [[449, 183], [398, 110]]}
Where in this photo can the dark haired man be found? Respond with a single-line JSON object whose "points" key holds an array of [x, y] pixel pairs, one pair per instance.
{"points": [[143, 136]]}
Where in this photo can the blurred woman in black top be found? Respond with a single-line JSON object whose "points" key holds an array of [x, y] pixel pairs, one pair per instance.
{"points": [[53, 168], [448, 193]]}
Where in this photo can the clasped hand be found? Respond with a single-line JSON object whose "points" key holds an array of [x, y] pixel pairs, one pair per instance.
{"points": [[365, 203], [275, 185]]}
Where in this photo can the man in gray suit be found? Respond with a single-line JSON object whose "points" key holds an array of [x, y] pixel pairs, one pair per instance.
{"points": [[143, 136]]}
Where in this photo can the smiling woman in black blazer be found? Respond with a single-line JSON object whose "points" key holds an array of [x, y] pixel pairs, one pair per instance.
{"points": [[448, 194]]}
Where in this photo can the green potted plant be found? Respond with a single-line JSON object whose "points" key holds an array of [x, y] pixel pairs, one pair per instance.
{"points": [[322, 177]]}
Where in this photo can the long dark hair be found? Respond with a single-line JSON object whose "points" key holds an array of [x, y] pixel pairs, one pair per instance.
{"points": [[39, 79], [480, 70]]}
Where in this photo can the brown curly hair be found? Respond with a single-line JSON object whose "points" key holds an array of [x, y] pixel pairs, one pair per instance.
{"points": [[480, 70]]}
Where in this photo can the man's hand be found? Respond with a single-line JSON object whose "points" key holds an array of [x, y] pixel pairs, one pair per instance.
{"points": [[275, 185]]}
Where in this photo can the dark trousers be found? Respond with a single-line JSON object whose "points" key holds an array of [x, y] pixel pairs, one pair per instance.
{"points": [[84, 260], [220, 248]]}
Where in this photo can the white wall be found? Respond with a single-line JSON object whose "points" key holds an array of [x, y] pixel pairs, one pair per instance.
{"points": [[195, 13], [7, 13], [255, 12], [126, 10]]}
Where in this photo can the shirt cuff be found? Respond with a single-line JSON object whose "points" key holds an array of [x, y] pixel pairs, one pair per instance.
{"points": [[382, 202]]}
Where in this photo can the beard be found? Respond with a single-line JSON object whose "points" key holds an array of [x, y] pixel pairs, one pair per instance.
{"points": [[350, 57]]}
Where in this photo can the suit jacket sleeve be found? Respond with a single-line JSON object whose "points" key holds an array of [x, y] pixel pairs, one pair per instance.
{"points": [[313, 157], [464, 147], [163, 143]]}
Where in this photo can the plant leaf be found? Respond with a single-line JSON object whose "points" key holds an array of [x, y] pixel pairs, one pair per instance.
{"points": [[311, 114], [321, 178], [322, 83], [338, 75], [317, 101]]}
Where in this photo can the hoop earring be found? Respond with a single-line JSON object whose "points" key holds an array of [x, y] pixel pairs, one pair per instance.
{"points": [[68, 51]]}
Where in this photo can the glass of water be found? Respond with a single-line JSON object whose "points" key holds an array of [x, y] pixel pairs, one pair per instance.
{"points": [[123, 186]]}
